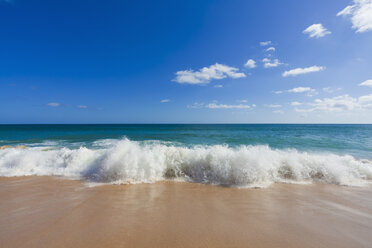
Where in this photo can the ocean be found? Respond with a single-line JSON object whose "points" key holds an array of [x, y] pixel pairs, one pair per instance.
{"points": [[233, 155]]}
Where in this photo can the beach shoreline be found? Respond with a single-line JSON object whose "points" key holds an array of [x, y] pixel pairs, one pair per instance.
{"points": [[54, 212]]}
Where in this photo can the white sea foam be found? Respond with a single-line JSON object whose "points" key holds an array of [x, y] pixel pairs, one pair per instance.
{"points": [[128, 161]]}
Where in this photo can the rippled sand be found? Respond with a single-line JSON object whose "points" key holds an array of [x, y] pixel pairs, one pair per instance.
{"points": [[52, 212]]}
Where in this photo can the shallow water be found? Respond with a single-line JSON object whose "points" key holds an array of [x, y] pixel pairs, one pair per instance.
{"points": [[230, 155]]}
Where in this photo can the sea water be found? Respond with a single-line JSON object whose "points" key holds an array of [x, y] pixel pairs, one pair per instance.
{"points": [[241, 155]]}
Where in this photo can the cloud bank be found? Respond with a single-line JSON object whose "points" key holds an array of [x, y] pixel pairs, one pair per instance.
{"points": [[339, 104]]}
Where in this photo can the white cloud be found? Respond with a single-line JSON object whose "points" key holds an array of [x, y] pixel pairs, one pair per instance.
{"points": [[296, 103], [205, 74], [82, 106], [299, 71], [215, 105], [348, 10], [265, 43], [331, 90], [361, 15], [250, 64], [365, 101], [270, 49], [278, 111], [366, 83], [226, 106], [164, 100], [218, 86], [196, 105], [308, 90], [273, 105], [301, 90], [316, 31], [53, 104], [271, 63], [339, 104]]}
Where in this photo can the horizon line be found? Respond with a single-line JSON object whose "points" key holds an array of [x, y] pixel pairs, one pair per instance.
{"points": [[195, 123]]}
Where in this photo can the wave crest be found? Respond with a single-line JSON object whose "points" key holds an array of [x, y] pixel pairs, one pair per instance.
{"points": [[137, 162]]}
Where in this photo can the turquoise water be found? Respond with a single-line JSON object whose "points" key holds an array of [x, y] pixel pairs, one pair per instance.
{"points": [[341, 139], [231, 154]]}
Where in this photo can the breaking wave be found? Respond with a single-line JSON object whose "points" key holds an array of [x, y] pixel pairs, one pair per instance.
{"points": [[128, 161]]}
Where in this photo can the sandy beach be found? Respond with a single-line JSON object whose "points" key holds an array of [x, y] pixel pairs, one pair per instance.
{"points": [[54, 212]]}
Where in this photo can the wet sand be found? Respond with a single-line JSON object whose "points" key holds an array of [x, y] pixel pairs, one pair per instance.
{"points": [[53, 212]]}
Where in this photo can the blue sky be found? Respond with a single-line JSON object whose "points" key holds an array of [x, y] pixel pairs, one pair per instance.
{"points": [[188, 61]]}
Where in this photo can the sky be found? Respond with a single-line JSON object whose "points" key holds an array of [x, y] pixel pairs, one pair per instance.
{"points": [[257, 61]]}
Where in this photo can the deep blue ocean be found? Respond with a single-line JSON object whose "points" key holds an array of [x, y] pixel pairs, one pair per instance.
{"points": [[233, 154]]}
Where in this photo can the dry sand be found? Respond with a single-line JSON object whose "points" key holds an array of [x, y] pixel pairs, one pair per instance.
{"points": [[52, 212]]}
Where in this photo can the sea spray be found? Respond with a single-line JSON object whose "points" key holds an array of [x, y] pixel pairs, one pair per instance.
{"points": [[126, 161]]}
